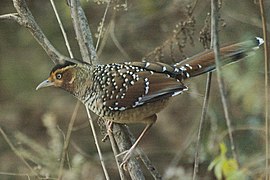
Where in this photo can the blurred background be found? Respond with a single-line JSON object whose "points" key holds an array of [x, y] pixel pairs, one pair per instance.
{"points": [[35, 121]]}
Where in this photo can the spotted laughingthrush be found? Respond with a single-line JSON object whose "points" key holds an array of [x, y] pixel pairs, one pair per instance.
{"points": [[134, 92]]}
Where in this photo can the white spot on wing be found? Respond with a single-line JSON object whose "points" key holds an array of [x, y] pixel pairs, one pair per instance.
{"points": [[122, 108], [177, 93], [183, 68], [146, 82], [176, 70], [189, 66], [261, 41], [147, 64], [164, 69]]}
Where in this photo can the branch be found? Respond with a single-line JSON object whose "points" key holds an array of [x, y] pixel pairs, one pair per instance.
{"points": [[266, 87], [83, 33], [87, 49], [25, 18], [203, 117], [16, 152], [148, 164], [97, 145], [124, 143], [215, 46], [12, 16], [115, 151]]}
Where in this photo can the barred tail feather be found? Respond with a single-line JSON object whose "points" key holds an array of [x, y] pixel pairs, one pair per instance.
{"points": [[205, 61]]}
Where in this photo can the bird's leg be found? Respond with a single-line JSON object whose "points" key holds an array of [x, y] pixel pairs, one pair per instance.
{"points": [[109, 126], [109, 130], [133, 147]]}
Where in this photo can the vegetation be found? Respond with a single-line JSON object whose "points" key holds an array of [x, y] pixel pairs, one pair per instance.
{"points": [[34, 123]]}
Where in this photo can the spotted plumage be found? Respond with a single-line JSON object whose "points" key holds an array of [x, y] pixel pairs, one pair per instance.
{"points": [[134, 92], [114, 91]]}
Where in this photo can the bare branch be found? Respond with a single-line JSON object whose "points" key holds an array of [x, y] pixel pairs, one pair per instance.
{"points": [[12, 16], [62, 29], [215, 46], [116, 42], [115, 152], [18, 153], [83, 32], [266, 87], [148, 164], [97, 145], [123, 141], [203, 117], [67, 139], [102, 24], [27, 20]]}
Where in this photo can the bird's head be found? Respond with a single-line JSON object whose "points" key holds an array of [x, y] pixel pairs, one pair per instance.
{"points": [[62, 76]]}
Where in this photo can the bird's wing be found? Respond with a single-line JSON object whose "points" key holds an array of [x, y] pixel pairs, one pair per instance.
{"points": [[132, 86]]}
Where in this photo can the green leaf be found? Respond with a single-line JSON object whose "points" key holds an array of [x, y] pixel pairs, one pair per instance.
{"points": [[229, 167], [226, 167], [218, 170]]}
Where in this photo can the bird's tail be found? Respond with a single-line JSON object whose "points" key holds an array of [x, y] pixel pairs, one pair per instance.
{"points": [[205, 61]]}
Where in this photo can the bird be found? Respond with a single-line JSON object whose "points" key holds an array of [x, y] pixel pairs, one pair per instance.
{"points": [[134, 92]]}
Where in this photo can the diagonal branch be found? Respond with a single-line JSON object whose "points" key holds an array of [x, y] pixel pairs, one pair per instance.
{"points": [[25, 18], [124, 143], [203, 117]]}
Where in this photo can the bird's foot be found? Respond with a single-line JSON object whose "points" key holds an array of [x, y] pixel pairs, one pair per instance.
{"points": [[127, 155], [109, 130]]}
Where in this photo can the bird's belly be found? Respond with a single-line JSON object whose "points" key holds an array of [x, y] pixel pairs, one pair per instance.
{"points": [[139, 114]]}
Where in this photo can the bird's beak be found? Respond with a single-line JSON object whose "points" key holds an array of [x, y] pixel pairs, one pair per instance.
{"points": [[45, 83]]}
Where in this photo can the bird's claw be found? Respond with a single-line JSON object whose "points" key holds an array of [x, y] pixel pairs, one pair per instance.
{"points": [[105, 137], [127, 154], [109, 130]]}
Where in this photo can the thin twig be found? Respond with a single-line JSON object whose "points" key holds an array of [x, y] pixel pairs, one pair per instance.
{"points": [[116, 42], [75, 111], [124, 142], [102, 24], [62, 29], [27, 20], [266, 89], [12, 16], [215, 39], [97, 145], [103, 41], [17, 153], [115, 152], [203, 117], [194, 6], [67, 139], [148, 164]]}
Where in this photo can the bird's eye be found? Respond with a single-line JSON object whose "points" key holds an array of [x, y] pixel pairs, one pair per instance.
{"points": [[58, 76]]}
